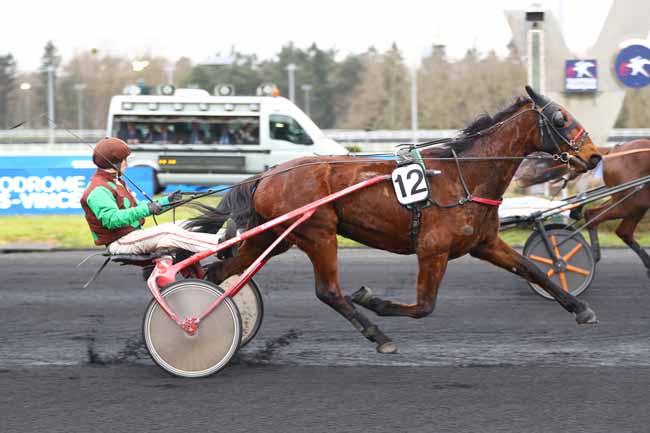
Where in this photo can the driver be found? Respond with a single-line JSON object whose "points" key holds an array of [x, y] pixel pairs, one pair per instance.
{"points": [[115, 217]]}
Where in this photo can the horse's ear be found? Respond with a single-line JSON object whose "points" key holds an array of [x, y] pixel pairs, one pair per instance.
{"points": [[537, 99]]}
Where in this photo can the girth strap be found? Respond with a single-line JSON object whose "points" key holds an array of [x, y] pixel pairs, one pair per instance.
{"points": [[416, 220]]}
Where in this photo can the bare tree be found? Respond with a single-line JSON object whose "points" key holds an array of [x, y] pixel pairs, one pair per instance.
{"points": [[7, 87], [381, 99]]}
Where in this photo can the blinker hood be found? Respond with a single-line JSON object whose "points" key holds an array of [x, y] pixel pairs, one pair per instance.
{"points": [[539, 100]]}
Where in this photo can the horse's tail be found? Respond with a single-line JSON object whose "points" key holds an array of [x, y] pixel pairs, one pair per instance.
{"points": [[236, 204]]}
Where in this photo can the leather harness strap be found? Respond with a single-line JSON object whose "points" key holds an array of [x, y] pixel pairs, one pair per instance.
{"points": [[468, 195], [416, 219], [416, 208], [486, 201]]}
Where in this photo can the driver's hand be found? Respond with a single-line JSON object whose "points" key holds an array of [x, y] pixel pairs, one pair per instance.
{"points": [[155, 208], [175, 196]]}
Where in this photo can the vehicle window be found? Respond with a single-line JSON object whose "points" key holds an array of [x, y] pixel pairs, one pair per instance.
{"points": [[287, 129], [234, 130]]}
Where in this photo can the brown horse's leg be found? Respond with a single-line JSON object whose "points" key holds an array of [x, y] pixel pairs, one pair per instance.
{"points": [[625, 231], [430, 272], [498, 252], [320, 245], [616, 212], [595, 243], [250, 250]]}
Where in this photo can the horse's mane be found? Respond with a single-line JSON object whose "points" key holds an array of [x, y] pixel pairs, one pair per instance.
{"points": [[468, 136]]}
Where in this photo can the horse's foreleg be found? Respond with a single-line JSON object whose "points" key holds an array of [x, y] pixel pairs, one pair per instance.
{"points": [[430, 272], [625, 231], [503, 255]]}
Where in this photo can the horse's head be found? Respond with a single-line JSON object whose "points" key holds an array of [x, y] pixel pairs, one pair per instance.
{"points": [[562, 135]]}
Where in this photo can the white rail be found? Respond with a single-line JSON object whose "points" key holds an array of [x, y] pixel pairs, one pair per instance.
{"points": [[34, 141]]}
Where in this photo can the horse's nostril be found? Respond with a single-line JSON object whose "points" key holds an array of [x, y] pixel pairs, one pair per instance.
{"points": [[595, 159]]}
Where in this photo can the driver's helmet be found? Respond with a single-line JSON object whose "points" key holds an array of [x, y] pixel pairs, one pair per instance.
{"points": [[109, 152]]}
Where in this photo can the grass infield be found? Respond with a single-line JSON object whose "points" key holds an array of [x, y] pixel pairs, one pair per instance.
{"points": [[71, 231]]}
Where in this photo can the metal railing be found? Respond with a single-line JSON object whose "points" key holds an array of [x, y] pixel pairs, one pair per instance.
{"points": [[36, 140], [32, 136]]}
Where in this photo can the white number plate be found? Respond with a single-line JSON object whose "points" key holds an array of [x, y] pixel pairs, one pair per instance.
{"points": [[410, 184]]}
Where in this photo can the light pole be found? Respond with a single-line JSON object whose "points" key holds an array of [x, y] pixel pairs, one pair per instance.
{"points": [[51, 69], [26, 87], [306, 88], [291, 69], [536, 57], [416, 63], [414, 104], [170, 68], [79, 87]]}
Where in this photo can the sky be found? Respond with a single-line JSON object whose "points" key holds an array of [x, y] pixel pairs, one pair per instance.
{"points": [[198, 29]]}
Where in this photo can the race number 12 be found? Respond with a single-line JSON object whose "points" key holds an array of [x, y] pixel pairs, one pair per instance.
{"points": [[410, 184]]}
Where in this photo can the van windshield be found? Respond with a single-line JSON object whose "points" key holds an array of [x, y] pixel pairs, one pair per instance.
{"points": [[286, 128], [187, 129]]}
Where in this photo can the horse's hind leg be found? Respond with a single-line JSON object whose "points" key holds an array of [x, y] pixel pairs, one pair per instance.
{"points": [[250, 250], [595, 243], [499, 253], [590, 215], [625, 231], [324, 258], [430, 272]]}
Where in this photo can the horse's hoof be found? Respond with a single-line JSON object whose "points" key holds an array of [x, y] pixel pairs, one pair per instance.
{"points": [[387, 347], [362, 296], [586, 317]]}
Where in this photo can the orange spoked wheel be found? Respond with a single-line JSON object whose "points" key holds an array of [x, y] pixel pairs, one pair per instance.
{"points": [[575, 267]]}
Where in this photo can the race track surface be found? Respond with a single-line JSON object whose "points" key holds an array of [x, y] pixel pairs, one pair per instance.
{"points": [[493, 357]]}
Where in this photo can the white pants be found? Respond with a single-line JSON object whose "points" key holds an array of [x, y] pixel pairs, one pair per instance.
{"points": [[166, 236]]}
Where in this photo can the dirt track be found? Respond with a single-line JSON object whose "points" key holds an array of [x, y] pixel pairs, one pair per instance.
{"points": [[492, 357]]}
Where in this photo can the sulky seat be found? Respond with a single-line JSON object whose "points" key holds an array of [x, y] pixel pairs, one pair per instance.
{"points": [[146, 261], [133, 259]]}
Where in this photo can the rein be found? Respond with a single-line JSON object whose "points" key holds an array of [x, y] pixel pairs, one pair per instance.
{"points": [[468, 195], [544, 123], [626, 152], [357, 160], [574, 143]]}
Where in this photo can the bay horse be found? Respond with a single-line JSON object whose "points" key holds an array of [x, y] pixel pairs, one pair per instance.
{"points": [[372, 216], [623, 163]]}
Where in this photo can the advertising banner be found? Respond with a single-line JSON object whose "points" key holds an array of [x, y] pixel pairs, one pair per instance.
{"points": [[633, 66], [581, 76], [37, 191]]}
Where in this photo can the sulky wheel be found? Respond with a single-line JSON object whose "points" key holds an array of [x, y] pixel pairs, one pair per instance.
{"points": [[210, 348], [575, 268], [250, 306]]}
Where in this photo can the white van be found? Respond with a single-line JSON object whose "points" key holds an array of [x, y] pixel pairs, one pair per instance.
{"points": [[190, 137]]}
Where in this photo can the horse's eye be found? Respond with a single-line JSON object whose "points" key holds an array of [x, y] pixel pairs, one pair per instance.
{"points": [[558, 119]]}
